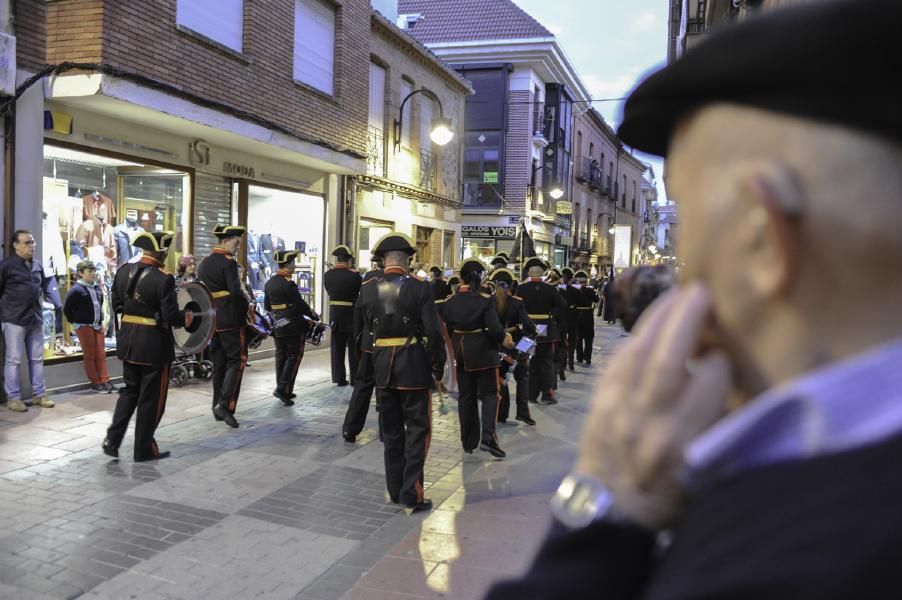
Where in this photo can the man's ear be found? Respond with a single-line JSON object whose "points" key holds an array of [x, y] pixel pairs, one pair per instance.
{"points": [[773, 202]]}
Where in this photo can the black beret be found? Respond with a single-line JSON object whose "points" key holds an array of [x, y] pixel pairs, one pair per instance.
{"points": [[154, 241], [227, 231], [394, 242], [285, 256], [342, 252], [830, 61]]}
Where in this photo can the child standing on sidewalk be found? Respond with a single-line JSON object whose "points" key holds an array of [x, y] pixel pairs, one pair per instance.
{"points": [[83, 309]]}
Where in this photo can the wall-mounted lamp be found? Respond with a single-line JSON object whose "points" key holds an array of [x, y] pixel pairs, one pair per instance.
{"points": [[556, 192], [441, 132]]}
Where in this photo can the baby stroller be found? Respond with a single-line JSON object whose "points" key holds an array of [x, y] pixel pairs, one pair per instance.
{"points": [[190, 366]]}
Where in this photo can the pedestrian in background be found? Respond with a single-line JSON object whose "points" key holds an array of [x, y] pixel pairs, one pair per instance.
{"points": [[187, 271], [84, 311], [23, 285]]}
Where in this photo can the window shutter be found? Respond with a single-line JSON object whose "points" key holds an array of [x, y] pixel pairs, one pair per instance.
{"points": [[219, 20], [314, 44], [377, 97]]}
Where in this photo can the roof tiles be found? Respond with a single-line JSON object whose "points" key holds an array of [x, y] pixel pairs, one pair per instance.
{"points": [[470, 20]]}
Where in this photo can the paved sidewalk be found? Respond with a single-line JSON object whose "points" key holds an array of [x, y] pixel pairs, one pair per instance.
{"points": [[280, 508]]}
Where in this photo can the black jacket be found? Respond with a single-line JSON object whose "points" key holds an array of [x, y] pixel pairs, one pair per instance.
{"points": [[79, 307], [343, 286], [411, 364], [585, 313], [440, 289], [284, 301], [545, 306], [476, 332], [571, 297], [153, 297], [219, 272], [825, 528], [21, 290], [516, 320]]}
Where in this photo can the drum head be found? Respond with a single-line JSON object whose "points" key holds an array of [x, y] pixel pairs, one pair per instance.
{"points": [[195, 297]]}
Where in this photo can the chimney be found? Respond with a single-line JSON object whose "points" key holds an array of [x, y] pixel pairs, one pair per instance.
{"points": [[388, 8]]}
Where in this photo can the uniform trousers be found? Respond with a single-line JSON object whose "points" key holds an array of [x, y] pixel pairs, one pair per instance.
{"points": [[359, 407], [341, 345], [474, 387], [571, 345], [229, 349], [521, 377], [541, 371], [146, 388], [584, 341], [407, 430], [289, 354]]}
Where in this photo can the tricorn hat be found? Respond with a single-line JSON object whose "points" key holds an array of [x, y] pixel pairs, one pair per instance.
{"points": [[500, 259], [342, 252], [394, 242], [154, 241], [226, 231], [454, 280], [505, 276], [534, 261], [472, 265], [581, 275], [285, 256], [435, 269], [567, 272]]}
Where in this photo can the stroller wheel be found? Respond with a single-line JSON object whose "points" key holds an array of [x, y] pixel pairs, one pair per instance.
{"points": [[179, 375], [206, 370]]}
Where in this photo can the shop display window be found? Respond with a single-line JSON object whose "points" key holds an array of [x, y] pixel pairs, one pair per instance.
{"points": [[481, 248], [280, 220], [92, 206]]}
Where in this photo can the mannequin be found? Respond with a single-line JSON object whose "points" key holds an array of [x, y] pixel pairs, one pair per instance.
{"points": [[124, 233]]}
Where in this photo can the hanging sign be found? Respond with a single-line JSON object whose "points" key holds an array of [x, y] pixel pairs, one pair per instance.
{"points": [[563, 207]]}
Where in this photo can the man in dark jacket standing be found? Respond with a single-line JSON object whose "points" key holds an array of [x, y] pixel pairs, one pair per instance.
{"points": [[219, 272], [477, 338], [408, 353], [22, 286], [342, 283], [546, 308], [293, 316], [144, 294], [568, 338], [585, 300]]}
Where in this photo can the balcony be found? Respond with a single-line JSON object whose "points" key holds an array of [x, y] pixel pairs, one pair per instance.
{"points": [[415, 167], [375, 154], [426, 173], [590, 174]]}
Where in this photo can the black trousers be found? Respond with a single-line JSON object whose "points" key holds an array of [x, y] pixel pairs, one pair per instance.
{"points": [[521, 377], [146, 388], [571, 346], [341, 345], [407, 430], [560, 357], [475, 387], [364, 384], [541, 371], [229, 349], [289, 354], [584, 347]]}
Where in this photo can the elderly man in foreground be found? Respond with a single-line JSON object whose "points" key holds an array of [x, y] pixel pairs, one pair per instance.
{"points": [[746, 441]]}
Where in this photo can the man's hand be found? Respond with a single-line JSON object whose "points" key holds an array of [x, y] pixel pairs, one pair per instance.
{"points": [[651, 406], [189, 318], [508, 341]]}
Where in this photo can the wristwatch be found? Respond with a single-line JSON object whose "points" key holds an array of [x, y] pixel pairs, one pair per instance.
{"points": [[581, 500]]}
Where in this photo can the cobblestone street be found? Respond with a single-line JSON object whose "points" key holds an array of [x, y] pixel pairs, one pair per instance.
{"points": [[280, 508]]}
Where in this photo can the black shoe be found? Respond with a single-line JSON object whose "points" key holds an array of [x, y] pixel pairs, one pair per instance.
{"points": [[285, 398], [571, 369], [426, 504], [549, 400], [527, 420], [349, 438], [342, 383], [561, 376], [99, 388], [161, 456], [292, 396], [222, 414], [493, 448], [468, 450], [109, 449]]}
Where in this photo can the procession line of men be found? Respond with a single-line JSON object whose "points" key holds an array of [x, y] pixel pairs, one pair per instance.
{"points": [[394, 330]]}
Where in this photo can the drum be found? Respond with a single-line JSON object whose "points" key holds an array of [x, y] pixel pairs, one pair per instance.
{"points": [[259, 330], [194, 297], [316, 332]]}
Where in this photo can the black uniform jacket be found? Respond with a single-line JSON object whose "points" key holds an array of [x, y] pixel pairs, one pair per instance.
{"points": [[476, 331], [343, 286], [584, 310], [219, 272], [516, 320], [144, 290], [400, 312], [440, 289], [571, 297], [363, 335], [544, 305], [284, 301]]}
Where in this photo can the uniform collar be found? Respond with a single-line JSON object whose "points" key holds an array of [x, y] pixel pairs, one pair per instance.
{"points": [[342, 266], [283, 273], [223, 251], [536, 279], [395, 270], [463, 288], [149, 260]]}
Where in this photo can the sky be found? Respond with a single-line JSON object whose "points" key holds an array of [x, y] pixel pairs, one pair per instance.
{"points": [[612, 44]]}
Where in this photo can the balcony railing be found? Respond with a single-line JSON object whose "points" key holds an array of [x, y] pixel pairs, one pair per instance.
{"points": [[427, 171], [590, 174], [375, 155]]}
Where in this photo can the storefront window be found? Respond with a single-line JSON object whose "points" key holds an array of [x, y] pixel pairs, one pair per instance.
{"points": [[279, 220], [481, 248], [93, 205]]}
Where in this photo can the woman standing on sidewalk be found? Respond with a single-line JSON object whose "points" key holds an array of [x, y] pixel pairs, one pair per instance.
{"points": [[84, 310]]}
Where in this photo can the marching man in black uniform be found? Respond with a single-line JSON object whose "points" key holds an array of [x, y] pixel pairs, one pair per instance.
{"points": [[516, 321], [477, 338], [342, 283], [545, 306], [571, 295], [585, 324], [408, 353], [289, 309], [144, 294], [219, 272], [440, 287]]}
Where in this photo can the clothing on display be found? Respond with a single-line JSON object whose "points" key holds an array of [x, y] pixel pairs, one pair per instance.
{"points": [[124, 233]]}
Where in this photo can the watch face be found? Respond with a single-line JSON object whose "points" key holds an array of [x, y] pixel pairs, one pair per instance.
{"points": [[580, 501]]}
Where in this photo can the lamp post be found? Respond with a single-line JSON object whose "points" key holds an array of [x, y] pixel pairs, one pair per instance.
{"points": [[556, 192], [441, 132]]}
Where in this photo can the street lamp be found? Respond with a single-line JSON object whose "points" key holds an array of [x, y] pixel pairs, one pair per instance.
{"points": [[441, 132], [556, 192]]}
